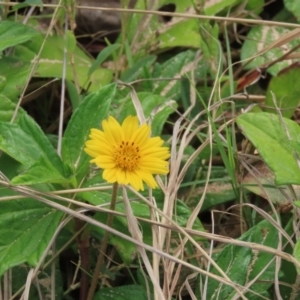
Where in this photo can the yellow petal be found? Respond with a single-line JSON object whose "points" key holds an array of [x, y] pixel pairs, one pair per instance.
{"points": [[129, 126]]}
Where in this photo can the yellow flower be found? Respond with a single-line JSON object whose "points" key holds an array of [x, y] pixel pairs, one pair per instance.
{"points": [[127, 153]]}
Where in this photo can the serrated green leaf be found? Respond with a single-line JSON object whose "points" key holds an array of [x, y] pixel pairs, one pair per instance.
{"points": [[269, 136], [7, 108], [26, 143], [13, 33], [30, 127], [91, 111], [26, 227], [42, 171]]}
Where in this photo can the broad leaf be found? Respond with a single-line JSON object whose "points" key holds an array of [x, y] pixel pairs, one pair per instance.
{"points": [[16, 74], [7, 109], [284, 91], [277, 141], [242, 264], [294, 7], [13, 33], [176, 67], [50, 62], [26, 143], [92, 110], [26, 227], [259, 37]]}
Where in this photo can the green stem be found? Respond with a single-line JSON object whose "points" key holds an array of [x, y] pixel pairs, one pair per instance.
{"points": [[104, 243]]}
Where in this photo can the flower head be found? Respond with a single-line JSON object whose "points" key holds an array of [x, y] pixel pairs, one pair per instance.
{"points": [[127, 153]]}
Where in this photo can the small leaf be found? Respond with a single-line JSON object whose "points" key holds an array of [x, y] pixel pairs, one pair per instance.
{"points": [[125, 292], [91, 111], [268, 134], [297, 203], [137, 69], [296, 253], [213, 7], [16, 73], [102, 56]]}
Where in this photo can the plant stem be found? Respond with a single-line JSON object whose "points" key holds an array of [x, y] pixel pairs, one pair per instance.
{"points": [[83, 247], [103, 246]]}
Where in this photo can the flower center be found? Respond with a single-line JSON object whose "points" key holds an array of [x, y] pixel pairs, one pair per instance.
{"points": [[127, 156]]}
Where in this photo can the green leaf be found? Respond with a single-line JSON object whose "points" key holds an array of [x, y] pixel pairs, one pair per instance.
{"points": [[51, 61], [137, 69], [285, 90], [16, 73], [297, 203], [296, 253], [294, 7], [42, 171], [125, 292], [91, 111], [267, 133], [13, 33], [242, 264], [7, 109], [182, 34], [30, 127], [26, 227], [73, 93], [102, 56], [213, 7], [2, 83], [27, 3], [125, 248], [174, 68], [26, 143], [259, 37]]}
